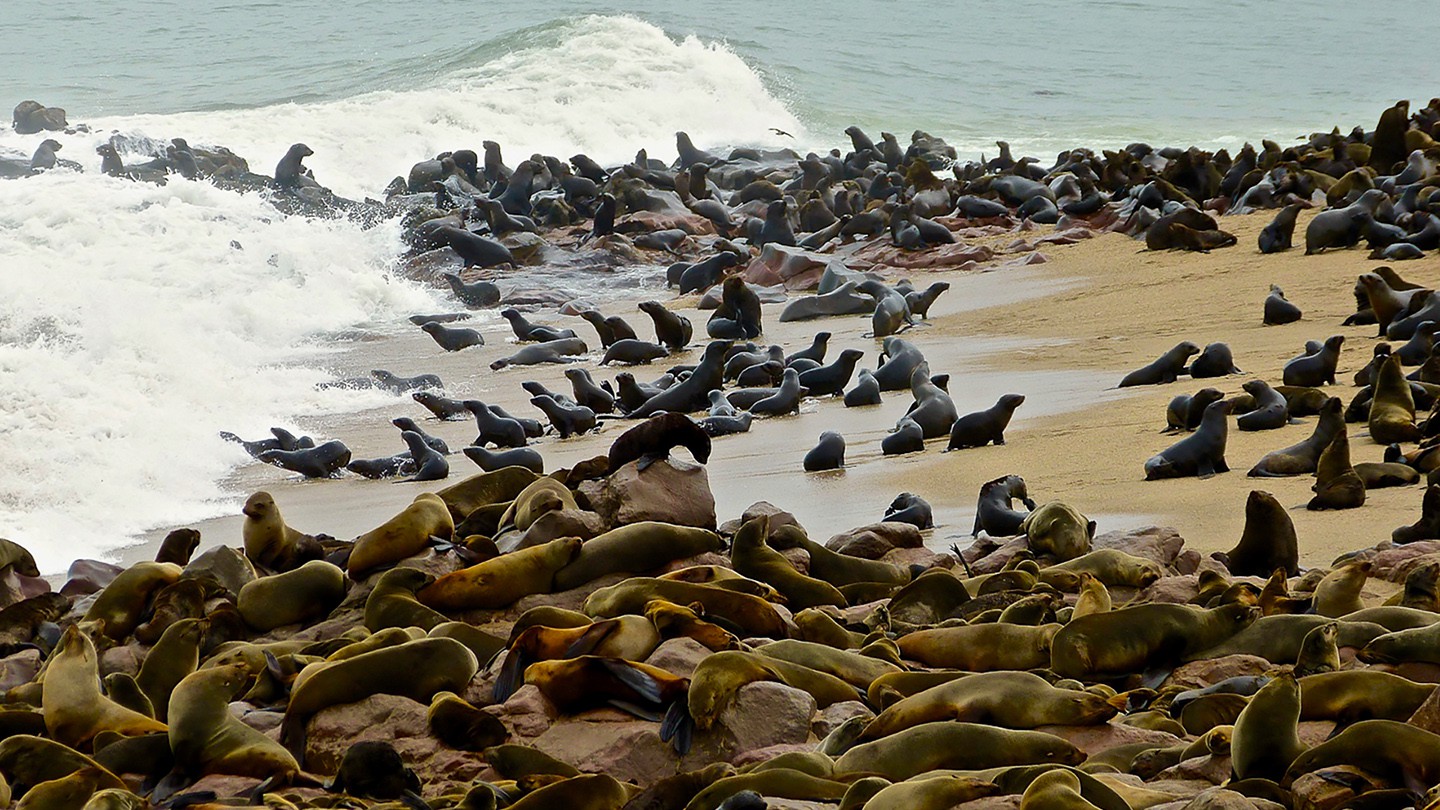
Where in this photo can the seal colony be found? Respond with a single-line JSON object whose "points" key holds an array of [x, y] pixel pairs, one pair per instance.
{"points": [[595, 635]]}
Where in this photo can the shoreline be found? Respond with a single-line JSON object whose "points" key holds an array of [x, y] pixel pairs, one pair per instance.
{"points": [[1061, 332]]}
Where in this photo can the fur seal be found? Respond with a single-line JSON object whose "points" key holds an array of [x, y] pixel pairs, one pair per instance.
{"points": [[1142, 637], [119, 608], [269, 542], [500, 582], [831, 379], [865, 392], [908, 437], [955, 746], [587, 393], [980, 647], [1266, 739], [1395, 751], [744, 611], [560, 350], [1271, 409], [633, 352], [1319, 651], [1058, 530], [477, 295], [392, 602], [1316, 369], [490, 461], [1303, 458], [785, 399], [452, 339], [653, 440], [926, 793], [828, 454], [568, 420], [207, 739], [1184, 411], [1279, 235], [1392, 409], [323, 461], [75, 710], [300, 595], [634, 549], [460, 725], [671, 330], [844, 300], [1019, 700], [1165, 369], [907, 507], [289, 170], [1268, 541], [993, 513], [495, 429], [983, 427], [474, 250], [934, 411], [1337, 485], [1215, 361], [429, 464], [1428, 526], [751, 557], [403, 535], [1200, 454]]}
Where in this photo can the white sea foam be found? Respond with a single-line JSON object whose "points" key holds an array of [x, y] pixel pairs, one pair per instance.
{"points": [[131, 330]]}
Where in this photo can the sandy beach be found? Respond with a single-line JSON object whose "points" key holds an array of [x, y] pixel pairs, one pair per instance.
{"points": [[1062, 333]]}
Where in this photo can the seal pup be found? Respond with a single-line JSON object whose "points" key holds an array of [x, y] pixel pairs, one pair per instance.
{"points": [[983, 427], [865, 392], [1313, 370], [632, 351], [1278, 309], [1215, 361], [494, 429], [920, 301], [452, 339], [1165, 369], [443, 408], [1184, 411], [490, 461], [567, 420], [1279, 234], [323, 461], [1271, 409], [994, 513], [828, 454], [1337, 485], [1201, 454]]}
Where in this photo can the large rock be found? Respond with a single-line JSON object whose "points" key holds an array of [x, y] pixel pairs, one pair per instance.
{"points": [[1394, 563], [670, 491], [1197, 674], [792, 267], [30, 117], [1428, 715], [876, 540], [1094, 739], [833, 716], [608, 742], [778, 518], [956, 255], [228, 565], [1209, 768], [1328, 788], [19, 669], [1000, 557], [1178, 590], [923, 557], [679, 656], [88, 576], [1158, 543], [1218, 798], [527, 713], [395, 720], [763, 714]]}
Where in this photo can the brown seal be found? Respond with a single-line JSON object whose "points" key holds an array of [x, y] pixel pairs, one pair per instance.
{"points": [[1267, 542], [75, 710], [635, 549], [207, 739], [404, 535], [1303, 457], [307, 593], [751, 557], [1142, 637], [954, 746], [1337, 485], [1392, 409], [122, 604], [500, 582], [1004, 699]]}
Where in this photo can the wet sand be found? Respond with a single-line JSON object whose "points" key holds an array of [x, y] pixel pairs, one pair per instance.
{"points": [[1062, 333]]}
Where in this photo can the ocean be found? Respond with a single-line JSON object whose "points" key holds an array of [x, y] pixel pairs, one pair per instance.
{"points": [[138, 321]]}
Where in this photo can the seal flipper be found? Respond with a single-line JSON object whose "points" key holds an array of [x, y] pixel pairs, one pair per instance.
{"points": [[632, 709], [648, 459], [589, 640], [508, 679], [412, 800], [1153, 678], [173, 782], [643, 685], [678, 727]]}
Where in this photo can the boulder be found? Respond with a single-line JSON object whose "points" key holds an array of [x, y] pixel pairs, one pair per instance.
{"points": [[1428, 715], [792, 267], [831, 717], [778, 518], [1000, 557], [1157, 543], [88, 576], [1197, 674], [228, 565], [527, 713], [395, 720], [1329, 788], [19, 669], [1178, 590], [1208, 768], [679, 656], [875, 540], [1094, 739], [30, 117], [669, 491], [763, 714]]}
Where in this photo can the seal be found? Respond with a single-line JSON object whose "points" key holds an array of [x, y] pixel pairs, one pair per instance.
{"points": [[983, 427], [495, 429], [476, 295], [269, 542], [587, 393], [490, 461], [1279, 235], [1319, 651], [633, 352], [1165, 369], [461, 726], [751, 557], [1316, 369], [653, 439], [119, 608], [1392, 410], [908, 437], [785, 400], [452, 339], [955, 746], [634, 549], [1019, 700], [920, 301], [692, 393], [567, 420], [500, 582], [289, 170], [948, 790], [1395, 751], [933, 410], [671, 330], [178, 546], [324, 461], [1278, 309], [610, 329], [1304, 457], [827, 454], [429, 465], [1142, 637], [75, 710], [1200, 454], [526, 331], [1266, 737], [1428, 526], [562, 350], [403, 535], [392, 602], [994, 514], [907, 507], [415, 669], [843, 300], [630, 638], [1267, 542], [294, 597], [175, 655], [1337, 485], [207, 739], [1271, 411], [891, 312], [740, 609], [1057, 530], [980, 647], [1185, 411], [831, 379], [1338, 593], [1215, 361]]}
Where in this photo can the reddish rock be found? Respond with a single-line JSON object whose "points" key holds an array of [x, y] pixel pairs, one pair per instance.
{"points": [[527, 713], [923, 557], [763, 714], [1209, 768], [124, 659], [395, 720], [87, 576], [1198, 674], [1187, 561], [792, 267], [650, 221], [778, 518], [671, 491], [760, 755], [1094, 739], [1327, 789], [1000, 557], [1158, 543], [679, 655], [834, 715], [19, 669], [940, 257], [875, 540], [1179, 589]]}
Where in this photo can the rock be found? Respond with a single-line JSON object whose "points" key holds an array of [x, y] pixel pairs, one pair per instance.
{"points": [[88, 576], [1197, 674], [121, 659], [1391, 562], [1000, 557], [832, 716], [670, 491], [679, 655], [923, 557], [527, 713], [1428, 715], [626, 748], [766, 754], [1187, 561], [792, 267], [764, 714], [1178, 590], [778, 518], [1326, 788], [1094, 739], [940, 257], [1209, 768], [1220, 799], [651, 221], [258, 720], [1161, 544], [30, 117], [224, 785], [395, 720], [524, 246], [19, 669], [991, 803], [228, 565], [875, 540], [1314, 732], [561, 523]]}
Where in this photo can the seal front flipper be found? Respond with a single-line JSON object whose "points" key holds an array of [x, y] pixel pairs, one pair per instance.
{"points": [[678, 727]]}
